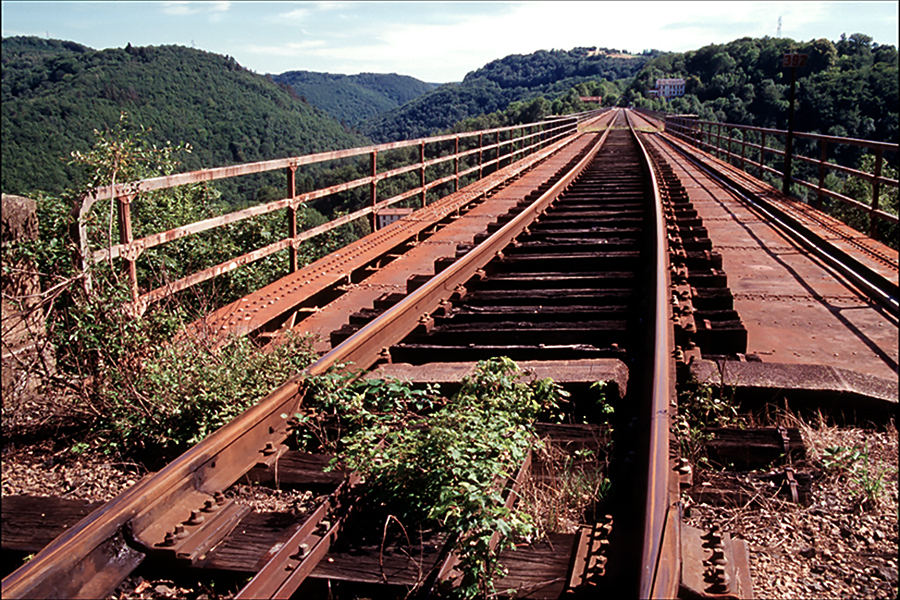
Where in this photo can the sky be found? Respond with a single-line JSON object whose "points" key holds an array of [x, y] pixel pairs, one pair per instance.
{"points": [[437, 42]]}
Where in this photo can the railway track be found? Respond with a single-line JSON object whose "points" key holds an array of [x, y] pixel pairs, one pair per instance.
{"points": [[870, 265], [577, 280]]}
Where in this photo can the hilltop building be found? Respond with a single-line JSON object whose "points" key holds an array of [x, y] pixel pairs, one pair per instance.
{"points": [[668, 88]]}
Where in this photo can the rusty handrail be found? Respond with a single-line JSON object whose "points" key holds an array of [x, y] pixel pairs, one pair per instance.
{"points": [[539, 134], [692, 131]]}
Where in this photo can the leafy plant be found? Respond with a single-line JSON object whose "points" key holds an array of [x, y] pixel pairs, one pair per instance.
{"points": [[135, 387], [606, 408], [342, 403], [701, 406], [446, 467], [186, 390], [856, 463], [839, 458]]}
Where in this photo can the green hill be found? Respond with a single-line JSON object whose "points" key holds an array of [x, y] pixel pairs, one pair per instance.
{"points": [[55, 93], [848, 88], [515, 78], [354, 98]]}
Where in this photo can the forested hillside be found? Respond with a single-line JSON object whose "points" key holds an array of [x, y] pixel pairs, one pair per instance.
{"points": [[354, 98], [848, 88], [56, 93], [515, 78]]}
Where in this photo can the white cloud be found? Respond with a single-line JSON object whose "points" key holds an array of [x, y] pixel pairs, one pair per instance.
{"points": [[289, 49], [298, 14], [178, 8]]}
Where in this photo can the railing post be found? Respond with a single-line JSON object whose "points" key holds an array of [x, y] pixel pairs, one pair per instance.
{"points": [[126, 236], [719, 140], [789, 142], [730, 148], [876, 189], [422, 171], [823, 158], [762, 153], [743, 150], [480, 154], [79, 234], [374, 190], [497, 168], [291, 172], [456, 161]]}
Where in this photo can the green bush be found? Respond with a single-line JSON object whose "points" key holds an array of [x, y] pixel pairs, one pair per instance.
{"points": [[439, 463]]}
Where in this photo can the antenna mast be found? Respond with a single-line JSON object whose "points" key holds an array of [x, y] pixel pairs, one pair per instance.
{"points": [[778, 35]]}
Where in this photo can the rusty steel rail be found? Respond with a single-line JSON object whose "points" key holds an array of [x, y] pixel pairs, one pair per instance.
{"points": [[700, 134], [92, 557], [129, 249], [365, 346], [660, 553]]}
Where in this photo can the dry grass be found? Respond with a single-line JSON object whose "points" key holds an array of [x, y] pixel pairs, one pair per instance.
{"points": [[572, 483], [844, 544]]}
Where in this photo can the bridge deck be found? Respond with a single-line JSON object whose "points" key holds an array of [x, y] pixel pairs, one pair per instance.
{"points": [[796, 309]]}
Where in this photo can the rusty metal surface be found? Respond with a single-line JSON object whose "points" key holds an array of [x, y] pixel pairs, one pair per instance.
{"points": [[715, 565], [155, 502], [363, 348], [286, 570], [163, 182], [796, 309], [659, 551], [590, 555], [540, 135], [420, 259], [184, 498], [174, 498], [870, 252]]}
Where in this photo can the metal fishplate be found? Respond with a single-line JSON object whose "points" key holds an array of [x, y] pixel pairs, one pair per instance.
{"points": [[714, 565]]}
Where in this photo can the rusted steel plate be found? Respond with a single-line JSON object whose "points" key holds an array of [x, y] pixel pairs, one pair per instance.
{"points": [[795, 308], [830, 229], [715, 565], [299, 555]]}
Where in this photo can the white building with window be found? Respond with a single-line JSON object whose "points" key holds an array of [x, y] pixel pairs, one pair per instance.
{"points": [[668, 88]]}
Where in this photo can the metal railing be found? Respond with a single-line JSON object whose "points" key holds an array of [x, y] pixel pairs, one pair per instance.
{"points": [[749, 152], [494, 146]]}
